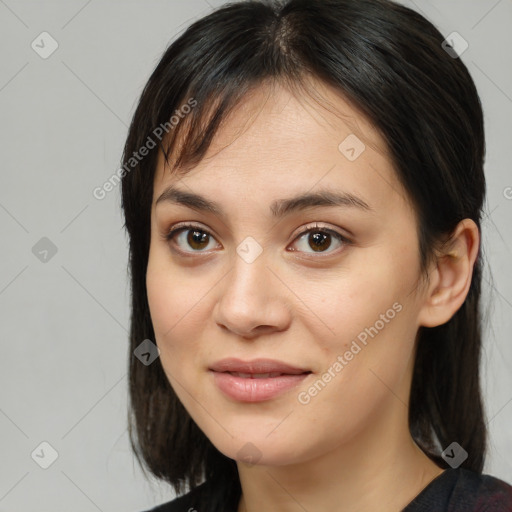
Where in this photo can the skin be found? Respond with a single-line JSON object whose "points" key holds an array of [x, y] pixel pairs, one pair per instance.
{"points": [[349, 448]]}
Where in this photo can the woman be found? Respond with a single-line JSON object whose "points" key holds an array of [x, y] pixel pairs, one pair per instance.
{"points": [[303, 187]]}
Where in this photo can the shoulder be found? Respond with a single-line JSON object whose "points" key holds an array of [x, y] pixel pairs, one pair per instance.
{"points": [[481, 492], [219, 495], [189, 502], [462, 490]]}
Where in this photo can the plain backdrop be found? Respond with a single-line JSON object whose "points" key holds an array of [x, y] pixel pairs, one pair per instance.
{"points": [[64, 292]]}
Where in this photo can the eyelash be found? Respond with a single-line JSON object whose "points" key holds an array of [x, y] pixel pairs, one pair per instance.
{"points": [[314, 228]]}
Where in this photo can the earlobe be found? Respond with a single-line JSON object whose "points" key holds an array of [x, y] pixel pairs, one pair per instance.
{"points": [[451, 276]]}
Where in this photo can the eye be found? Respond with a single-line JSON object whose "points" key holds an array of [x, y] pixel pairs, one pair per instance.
{"points": [[196, 237], [316, 237], [319, 239]]}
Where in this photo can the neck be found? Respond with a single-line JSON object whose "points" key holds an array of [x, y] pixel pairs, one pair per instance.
{"points": [[380, 468]]}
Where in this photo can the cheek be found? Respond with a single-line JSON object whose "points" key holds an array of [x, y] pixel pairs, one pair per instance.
{"points": [[370, 314], [349, 305], [172, 293], [170, 306], [176, 298], [365, 365], [163, 298]]}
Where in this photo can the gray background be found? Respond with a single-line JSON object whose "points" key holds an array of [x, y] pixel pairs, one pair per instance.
{"points": [[64, 321]]}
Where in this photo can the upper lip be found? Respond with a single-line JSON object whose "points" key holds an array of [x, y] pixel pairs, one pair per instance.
{"points": [[256, 366]]}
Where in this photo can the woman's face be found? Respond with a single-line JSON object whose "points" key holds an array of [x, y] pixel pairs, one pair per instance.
{"points": [[254, 279]]}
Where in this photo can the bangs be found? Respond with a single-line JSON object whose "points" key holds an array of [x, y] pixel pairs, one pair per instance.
{"points": [[187, 143]]}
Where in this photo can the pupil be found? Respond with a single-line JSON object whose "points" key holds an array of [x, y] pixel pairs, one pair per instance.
{"points": [[196, 238], [319, 239]]}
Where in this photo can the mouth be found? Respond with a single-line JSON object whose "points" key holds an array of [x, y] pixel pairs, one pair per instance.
{"points": [[243, 387], [257, 380], [257, 368], [263, 375]]}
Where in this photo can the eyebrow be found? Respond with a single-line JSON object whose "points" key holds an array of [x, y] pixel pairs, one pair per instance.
{"points": [[279, 208]]}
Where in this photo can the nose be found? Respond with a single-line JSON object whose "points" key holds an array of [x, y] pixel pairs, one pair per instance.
{"points": [[253, 300]]}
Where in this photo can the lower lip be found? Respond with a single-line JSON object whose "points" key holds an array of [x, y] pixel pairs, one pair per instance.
{"points": [[255, 390]]}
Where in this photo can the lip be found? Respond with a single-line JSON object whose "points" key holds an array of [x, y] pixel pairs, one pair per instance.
{"points": [[248, 388], [261, 365]]}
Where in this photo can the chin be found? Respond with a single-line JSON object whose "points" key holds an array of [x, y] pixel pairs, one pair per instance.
{"points": [[254, 447]]}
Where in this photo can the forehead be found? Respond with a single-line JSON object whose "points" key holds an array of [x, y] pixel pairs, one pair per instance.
{"points": [[274, 135]]}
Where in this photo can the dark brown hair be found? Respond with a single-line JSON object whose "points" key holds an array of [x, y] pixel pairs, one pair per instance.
{"points": [[389, 62]]}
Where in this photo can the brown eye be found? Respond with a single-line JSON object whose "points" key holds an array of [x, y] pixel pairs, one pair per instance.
{"points": [[319, 240], [196, 239], [190, 237]]}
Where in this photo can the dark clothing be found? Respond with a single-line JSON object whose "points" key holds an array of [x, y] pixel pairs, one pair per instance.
{"points": [[455, 490], [461, 490]]}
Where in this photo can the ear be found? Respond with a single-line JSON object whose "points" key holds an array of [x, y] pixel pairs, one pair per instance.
{"points": [[450, 278]]}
